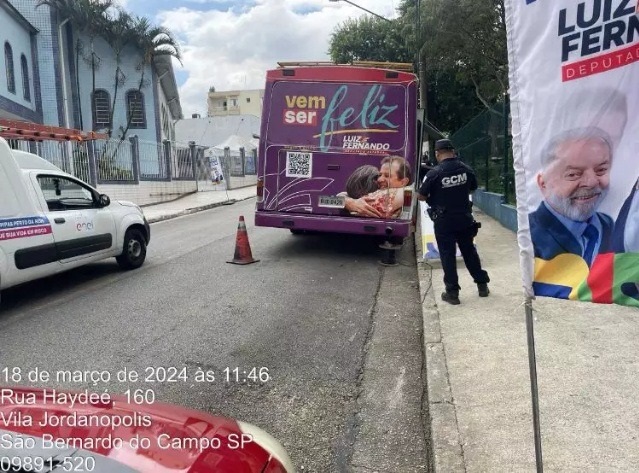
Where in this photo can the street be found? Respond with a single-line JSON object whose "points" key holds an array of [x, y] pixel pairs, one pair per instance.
{"points": [[336, 336]]}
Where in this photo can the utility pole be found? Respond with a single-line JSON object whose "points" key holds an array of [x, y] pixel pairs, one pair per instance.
{"points": [[421, 74], [418, 56]]}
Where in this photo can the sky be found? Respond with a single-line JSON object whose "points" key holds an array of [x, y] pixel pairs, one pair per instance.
{"points": [[230, 44]]}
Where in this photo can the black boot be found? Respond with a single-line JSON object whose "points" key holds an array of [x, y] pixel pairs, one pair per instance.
{"points": [[451, 297], [482, 288]]}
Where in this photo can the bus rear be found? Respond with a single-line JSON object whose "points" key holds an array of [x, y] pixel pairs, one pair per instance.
{"points": [[338, 150]]}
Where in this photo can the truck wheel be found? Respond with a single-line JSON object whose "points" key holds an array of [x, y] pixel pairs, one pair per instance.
{"points": [[134, 252]]}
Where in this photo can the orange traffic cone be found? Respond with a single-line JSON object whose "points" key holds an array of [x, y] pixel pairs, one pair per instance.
{"points": [[243, 253]]}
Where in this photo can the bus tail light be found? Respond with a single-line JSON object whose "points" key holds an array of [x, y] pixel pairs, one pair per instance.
{"points": [[408, 198], [260, 190]]}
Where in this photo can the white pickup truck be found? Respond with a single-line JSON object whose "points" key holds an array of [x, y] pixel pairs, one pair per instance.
{"points": [[51, 221]]}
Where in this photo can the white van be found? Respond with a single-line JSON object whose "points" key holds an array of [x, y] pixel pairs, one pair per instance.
{"points": [[51, 221]]}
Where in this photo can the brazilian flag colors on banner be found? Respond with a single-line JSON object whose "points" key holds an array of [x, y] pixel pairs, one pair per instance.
{"points": [[574, 88]]}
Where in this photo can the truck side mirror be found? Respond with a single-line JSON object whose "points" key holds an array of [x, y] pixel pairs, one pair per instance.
{"points": [[104, 200]]}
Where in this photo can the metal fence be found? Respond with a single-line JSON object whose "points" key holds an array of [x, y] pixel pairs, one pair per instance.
{"points": [[122, 161], [239, 168], [181, 162], [153, 164], [250, 163], [114, 160], [485, 144], [71, 157], [240, 163]]}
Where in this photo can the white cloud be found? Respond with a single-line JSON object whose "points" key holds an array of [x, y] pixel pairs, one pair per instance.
{"points": [[233, 49], [121, 3]]}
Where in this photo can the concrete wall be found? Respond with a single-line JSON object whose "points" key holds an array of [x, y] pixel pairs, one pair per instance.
{"points": [[22, 42], [237, 182], [47, 53], [166, 121], [148, 192], [495, 206]]}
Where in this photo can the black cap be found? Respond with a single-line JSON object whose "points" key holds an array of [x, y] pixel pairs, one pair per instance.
{"points": [[443, 144]]}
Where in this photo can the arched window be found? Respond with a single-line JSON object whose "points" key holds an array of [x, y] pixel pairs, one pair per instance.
{"points": [[26, 85], [8, 60], [101, 105], [135, 113]]}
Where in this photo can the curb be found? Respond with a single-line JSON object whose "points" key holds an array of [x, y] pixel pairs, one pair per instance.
{"points": [[193, 210], [445, 439], [175, 199]]}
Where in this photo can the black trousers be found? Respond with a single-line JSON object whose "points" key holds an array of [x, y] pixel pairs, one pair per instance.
{"points": [[450, 233]]}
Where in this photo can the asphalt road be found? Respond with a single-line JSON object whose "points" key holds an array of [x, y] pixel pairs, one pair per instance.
{"points": [[338, 334]]}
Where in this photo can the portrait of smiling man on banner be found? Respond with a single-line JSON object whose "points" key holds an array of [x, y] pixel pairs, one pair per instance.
{"points": [[574, 180], [569, 229]]}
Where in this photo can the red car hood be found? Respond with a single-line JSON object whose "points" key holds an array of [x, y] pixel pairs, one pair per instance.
{"points": [[155, 438]]}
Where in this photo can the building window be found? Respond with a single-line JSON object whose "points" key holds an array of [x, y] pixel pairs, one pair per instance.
{"points": [[135, 109], [101, 105], [8, 60], [248, 99], [26, 86]]}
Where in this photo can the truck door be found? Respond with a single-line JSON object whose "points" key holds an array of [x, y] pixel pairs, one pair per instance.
{"points": [[27, 249], [81, 228]]}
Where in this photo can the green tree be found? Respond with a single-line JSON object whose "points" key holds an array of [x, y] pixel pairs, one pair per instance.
{"points": [[369, 39], [462, 44], [467, 38]]}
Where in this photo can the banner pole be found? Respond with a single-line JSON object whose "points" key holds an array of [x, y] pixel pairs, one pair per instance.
{"points": [[533, 383]]}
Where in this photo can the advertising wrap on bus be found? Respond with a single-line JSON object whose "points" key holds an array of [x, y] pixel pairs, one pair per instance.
{"points": [[338, 151]]}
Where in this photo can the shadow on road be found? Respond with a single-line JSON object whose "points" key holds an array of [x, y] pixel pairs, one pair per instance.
{"points": [[38, 291], [328, 245]]}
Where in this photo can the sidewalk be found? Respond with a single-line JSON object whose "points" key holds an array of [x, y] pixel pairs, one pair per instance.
{"points": [[477, 366], [196, 202], [478, 378]]}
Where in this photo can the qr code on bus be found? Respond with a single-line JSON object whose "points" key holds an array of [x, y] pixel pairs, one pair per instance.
{"points": [[298, 164]]}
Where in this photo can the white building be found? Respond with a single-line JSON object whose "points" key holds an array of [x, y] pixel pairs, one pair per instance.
{"points": [[235, 102]]}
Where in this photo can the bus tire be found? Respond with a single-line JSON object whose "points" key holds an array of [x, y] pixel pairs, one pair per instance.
{"points": [[134, 250]]}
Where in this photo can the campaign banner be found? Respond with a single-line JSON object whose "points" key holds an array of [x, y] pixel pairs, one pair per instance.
{"points": [[341, 145], [574, 89], [430, 250]]}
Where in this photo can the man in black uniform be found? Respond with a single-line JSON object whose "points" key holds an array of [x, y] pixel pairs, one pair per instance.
{"points": [[446, 190]]}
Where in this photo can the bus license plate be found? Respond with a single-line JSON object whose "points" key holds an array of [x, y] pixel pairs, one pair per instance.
{"points": [[331, 201]]}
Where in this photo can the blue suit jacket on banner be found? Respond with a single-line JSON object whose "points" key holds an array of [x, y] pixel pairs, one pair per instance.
{"points": [[629, 288], [622, 218], [551, 238]]}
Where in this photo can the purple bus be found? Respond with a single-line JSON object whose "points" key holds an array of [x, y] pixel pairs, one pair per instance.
{"points": [[338, 150]]}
